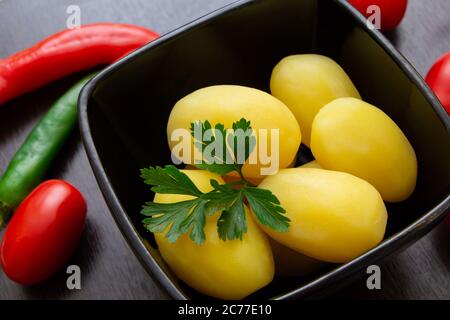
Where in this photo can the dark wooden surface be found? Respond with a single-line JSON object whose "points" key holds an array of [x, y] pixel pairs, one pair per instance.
{"points": [[109, 268]]}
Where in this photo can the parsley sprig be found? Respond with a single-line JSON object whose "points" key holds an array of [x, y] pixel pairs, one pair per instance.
{"points": [[227, 199]]}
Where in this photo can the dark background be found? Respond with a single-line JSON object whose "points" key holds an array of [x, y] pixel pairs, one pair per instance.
{"points": [[109, 268]]}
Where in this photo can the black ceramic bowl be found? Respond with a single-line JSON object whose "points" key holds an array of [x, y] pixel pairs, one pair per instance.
{"points": [[124, 111]]}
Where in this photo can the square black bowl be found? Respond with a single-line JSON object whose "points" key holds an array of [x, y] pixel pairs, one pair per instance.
{"points": [[124, 111]]}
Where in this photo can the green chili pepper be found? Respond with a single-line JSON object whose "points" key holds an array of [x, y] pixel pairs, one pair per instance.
{"points": [[31, 162]]}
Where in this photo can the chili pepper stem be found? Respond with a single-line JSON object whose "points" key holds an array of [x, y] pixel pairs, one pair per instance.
{"points": [[5, 213]]}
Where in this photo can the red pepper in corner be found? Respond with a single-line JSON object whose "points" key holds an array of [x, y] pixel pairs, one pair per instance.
{"points": [[67, 52]]}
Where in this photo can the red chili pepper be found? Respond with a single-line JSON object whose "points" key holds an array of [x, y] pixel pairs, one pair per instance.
{"points": [[67, 52], [43, 233], [439, 80]]}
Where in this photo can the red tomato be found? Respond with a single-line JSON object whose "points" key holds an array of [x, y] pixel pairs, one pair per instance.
{"points": [[439, 80], [392, 11], [43, 233]]}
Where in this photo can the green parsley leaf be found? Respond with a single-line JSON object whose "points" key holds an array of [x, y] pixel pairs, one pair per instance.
{"points": [[227, 199], [217, 162], [242, 132], [169, 180], [196, 222], [167, 215], [240, 139], [267, 209], [232, 224], [222, 197]]}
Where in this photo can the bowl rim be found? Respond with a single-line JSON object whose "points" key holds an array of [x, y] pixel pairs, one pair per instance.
{"points": [[396, 242]]}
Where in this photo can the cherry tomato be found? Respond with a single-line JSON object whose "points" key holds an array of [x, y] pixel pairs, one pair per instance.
{"points": [[438, 79], [43, 233], [392, 11]]}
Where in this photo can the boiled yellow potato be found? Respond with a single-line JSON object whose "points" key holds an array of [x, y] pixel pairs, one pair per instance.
{"points": [[335, 216], [227, 104], [353, 136], [307, 82], [290, 263], [221, 269]]}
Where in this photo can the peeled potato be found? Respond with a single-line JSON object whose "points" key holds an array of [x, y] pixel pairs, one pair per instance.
{"points": [[221, 269], [353, 136], [307, 82], [227, 104], [335, 217]]}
